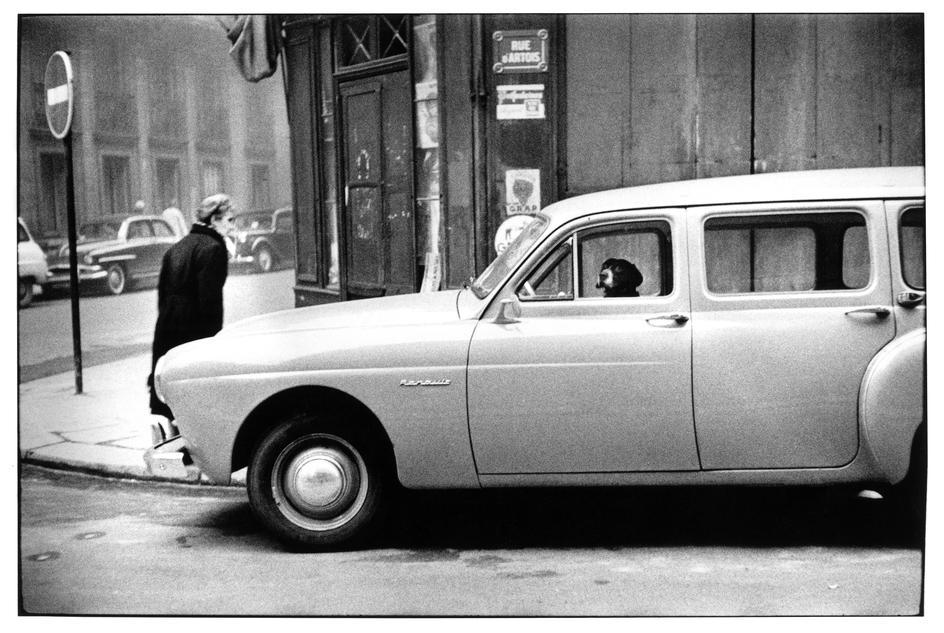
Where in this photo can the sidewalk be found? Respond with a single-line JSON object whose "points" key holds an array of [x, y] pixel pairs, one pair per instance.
{"points": [[105, 430]]}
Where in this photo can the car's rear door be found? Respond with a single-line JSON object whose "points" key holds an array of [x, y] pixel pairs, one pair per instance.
{"points": [[282, 234], [790, 302], [585, 384]]}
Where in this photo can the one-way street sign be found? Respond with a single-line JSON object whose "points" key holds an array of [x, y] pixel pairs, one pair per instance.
{"points": [[59, 94]]}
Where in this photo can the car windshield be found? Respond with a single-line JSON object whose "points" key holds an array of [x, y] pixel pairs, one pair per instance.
{"points": [[509, 258], [252, 221], [99, 231]]}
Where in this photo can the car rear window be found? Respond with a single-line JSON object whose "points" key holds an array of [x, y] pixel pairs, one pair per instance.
{"points": [[787, 253], [161, 229], [911, 238], [254, 221], [99, 231]]}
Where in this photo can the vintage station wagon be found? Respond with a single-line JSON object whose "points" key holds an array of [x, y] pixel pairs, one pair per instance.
{"points": [[777, 338]]}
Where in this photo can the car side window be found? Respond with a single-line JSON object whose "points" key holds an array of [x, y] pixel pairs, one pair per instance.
{"points": [[161, 229], [138, 229], [787, 253], [911, 240], [630, 259], [283, 223], [553, 280]]}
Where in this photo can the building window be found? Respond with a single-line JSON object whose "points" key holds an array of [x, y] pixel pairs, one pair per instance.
{"points": [[364, 39], [261, 188], [115, 105], [167, 172], [52, 206], [212, 112], [167, 104], [116, 184], [212, 177], [259, 119]]}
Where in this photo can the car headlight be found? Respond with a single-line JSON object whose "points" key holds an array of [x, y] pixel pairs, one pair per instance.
{"points": [[241, 237], [88, 259], [158, 380]]}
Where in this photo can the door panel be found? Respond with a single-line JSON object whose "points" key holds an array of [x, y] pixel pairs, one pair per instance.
{"points": [[777, 373], [377, 174], [585, 384], [361, 104]]}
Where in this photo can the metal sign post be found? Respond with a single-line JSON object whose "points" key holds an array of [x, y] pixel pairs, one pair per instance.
{"points": [[60, 103]]}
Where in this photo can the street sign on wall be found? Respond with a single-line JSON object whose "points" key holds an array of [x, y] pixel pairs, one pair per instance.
{"points": [[520, 51], [59, 94]]}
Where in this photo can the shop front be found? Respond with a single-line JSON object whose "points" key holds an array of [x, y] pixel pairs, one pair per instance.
{"points": [[422, 144]]}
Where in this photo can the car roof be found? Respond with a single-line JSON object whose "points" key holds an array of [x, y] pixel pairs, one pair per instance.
{"points": [[262, 211], [794, 186], [118, 219]]}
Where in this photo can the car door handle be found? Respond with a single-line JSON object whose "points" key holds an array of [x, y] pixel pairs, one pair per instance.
{"points": [[909, 299], [677, 319], [879, 311]]}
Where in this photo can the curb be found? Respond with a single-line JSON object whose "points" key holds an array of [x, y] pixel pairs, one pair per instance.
{"points": [[193, 478]]}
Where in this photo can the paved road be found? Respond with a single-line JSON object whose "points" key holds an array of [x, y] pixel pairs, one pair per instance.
{"points": [[97, 546], [122, 326]]}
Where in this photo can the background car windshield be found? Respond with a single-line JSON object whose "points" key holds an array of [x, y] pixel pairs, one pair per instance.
{"points": [[99, 231], [509, 258], [254, 221]]}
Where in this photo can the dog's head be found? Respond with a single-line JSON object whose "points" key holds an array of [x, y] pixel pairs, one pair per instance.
{"points": [[619, 278]]}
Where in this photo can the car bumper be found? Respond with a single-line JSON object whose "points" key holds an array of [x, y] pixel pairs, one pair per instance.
{"points": [[59, 276], [166, 460], [242, 262]]}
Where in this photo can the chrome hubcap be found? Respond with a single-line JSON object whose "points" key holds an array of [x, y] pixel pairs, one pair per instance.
{"points": [[116, 279], [319, 482]]}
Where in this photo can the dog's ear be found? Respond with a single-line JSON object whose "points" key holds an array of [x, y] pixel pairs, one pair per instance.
{"points": [[635, 277]]}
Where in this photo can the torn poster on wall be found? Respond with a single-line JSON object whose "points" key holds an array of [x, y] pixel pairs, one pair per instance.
{"points": [[520, 102], [522, 191]]}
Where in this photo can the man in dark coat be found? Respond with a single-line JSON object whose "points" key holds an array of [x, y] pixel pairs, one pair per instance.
{"points": [[190, 289]]}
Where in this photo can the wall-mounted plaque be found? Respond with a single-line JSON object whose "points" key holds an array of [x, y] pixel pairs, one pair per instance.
{"points": [[520, 51]]}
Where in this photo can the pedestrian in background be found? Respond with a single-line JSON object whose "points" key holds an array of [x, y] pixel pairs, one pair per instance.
{"points": [[173, 216], [190, 289]]}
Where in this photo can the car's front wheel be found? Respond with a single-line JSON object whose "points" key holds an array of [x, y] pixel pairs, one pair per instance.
{"points": [[116, 280], [24, 292], [316, 484], [265, 260]]}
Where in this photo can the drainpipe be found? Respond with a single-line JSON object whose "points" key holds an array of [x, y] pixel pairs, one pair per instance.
{"points": [[479, 97]]}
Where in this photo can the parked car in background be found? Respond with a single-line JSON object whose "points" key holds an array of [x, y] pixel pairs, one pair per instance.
{"points": [[116, 252], [760, 330], [265, 239], [31, 268]]}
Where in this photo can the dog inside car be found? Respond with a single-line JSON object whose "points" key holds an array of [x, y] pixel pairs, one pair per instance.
{"points": [[619, 278]]}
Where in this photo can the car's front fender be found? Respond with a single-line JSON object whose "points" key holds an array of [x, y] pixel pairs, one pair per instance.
{"points": [[412, 378]]}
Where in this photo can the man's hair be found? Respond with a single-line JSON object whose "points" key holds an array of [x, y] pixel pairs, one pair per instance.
{"points": [[212, 206]]}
